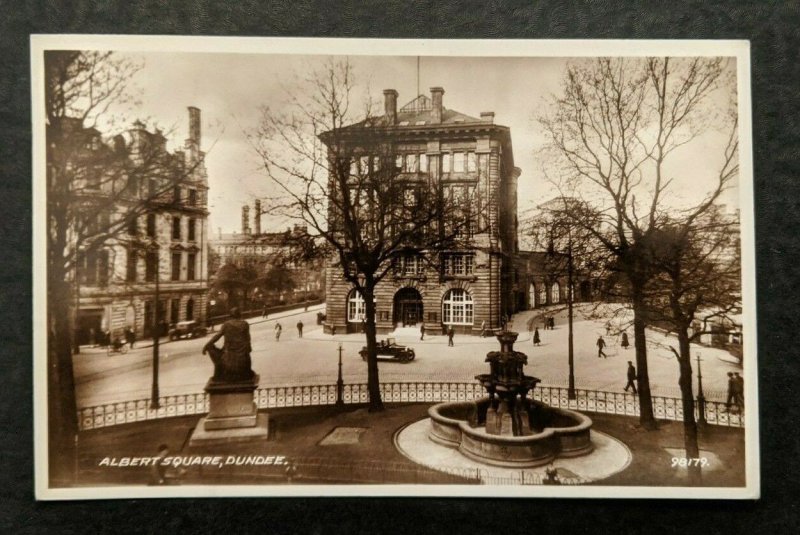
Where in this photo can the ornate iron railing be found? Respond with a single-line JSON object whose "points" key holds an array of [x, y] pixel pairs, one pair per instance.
{"points": [[597, 401]]}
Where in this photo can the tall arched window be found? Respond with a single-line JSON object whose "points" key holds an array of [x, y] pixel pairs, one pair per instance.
{"points": [[555, 293], [457, 307], [542, 295], [356, 308], [532, 295]]}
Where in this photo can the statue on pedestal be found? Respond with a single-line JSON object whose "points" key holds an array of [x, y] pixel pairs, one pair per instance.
{"points": [[231, 363]]}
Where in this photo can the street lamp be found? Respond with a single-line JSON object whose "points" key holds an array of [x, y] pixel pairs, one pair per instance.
{"points": [[570, 297], [570, 315], [701, 399], [340, 381], [154, 392]]}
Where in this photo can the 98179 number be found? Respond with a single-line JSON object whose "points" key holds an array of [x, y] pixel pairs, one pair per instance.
{"points": [[685, 462]]}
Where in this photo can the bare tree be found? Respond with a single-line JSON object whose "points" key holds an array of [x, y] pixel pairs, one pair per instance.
{"points": [[612, 131], [338, 171], [699, 280], [96, 191]]}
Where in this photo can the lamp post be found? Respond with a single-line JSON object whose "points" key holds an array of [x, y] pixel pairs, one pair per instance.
{"points": [[701, 399], [340, 381], [154, 391], [570, 297]]}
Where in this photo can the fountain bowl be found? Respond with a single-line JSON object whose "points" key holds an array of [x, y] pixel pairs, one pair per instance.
{"points": [[555, 433]]}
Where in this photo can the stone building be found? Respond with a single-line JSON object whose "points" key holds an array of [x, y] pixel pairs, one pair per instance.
{"points": [[260, 250], [463, 287], [162, 255], [541, 279]]}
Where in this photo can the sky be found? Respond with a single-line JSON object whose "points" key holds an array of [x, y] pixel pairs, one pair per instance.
{"points": [[230, 89]]}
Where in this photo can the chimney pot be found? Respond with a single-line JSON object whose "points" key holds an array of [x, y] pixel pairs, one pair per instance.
{"points": [[194, 125], [390, 105], [487, 116]]}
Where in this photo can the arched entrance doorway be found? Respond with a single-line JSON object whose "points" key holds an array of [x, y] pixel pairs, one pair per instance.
{"points": [[532, 296], [407, 307]]}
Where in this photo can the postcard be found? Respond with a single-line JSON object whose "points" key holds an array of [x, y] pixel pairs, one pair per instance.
{"points": [[373, 267]]}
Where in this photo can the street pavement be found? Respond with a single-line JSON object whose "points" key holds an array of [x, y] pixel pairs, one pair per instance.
{"points": [[313, 359]]}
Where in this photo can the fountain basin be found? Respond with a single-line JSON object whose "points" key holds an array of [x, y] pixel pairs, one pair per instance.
{"points": [[555, 433]]}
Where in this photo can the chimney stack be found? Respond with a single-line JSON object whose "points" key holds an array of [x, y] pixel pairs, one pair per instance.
{"points": [[436, 112], [194, 125], [390, 105], [245, 220], [257, 216], [487, 116]]}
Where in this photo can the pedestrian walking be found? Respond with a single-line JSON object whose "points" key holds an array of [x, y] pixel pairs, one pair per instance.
{"points": [[130, 337], [739, 380], [300, 328], [264, 312], [422, 331], [278, 330], [483, 329], [732, 387], [625, 344], [631, 378], [450, 333], [600, 345], [536, 339]]}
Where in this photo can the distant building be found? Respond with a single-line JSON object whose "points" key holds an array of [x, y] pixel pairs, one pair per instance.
{"points": [[117, 284], [541, 279], [262, 250], [468, 286]]}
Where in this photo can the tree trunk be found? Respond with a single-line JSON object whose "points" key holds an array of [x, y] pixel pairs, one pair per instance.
{"points": [[373, 381], [61, 405], [646, 418], [687, 398]]}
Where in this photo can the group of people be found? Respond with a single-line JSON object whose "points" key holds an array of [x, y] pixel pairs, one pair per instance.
{"points": [[279, 329], [549, 323]]}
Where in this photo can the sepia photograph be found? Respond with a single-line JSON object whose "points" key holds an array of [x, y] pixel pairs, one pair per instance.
{"points": [[372, 267]]}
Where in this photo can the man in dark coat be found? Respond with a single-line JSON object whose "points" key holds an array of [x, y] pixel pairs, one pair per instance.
{"points": [[300, 328], [600, 345], [732, 397], [625, 343], [536, 339], [231, 363], [422, 331], [130, 336], [739, 380], [450, 333], [631, 378]]}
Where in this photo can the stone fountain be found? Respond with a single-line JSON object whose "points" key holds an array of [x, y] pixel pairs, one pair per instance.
{"points": [[506, 428]]}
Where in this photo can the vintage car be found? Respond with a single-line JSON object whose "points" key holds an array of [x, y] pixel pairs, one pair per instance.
{"points": [[187, 329], [390, 350]]}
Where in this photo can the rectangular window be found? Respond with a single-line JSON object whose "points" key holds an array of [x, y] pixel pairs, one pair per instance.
{"points": [[176, 194], [446, 162], [176, 266], [399, 162], [132, 263], [412, 164], [190, 266], [192, 201], [459, 264], [191, 229], [472, 165], [152, 188], [133, 227], [423, 163], [363, 163], [151, 225], [376, 163], [176, 227], [151, 266], [458, 162]]}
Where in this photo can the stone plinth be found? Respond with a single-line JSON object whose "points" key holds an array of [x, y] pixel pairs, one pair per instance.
{"points": [[232, 416]]}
